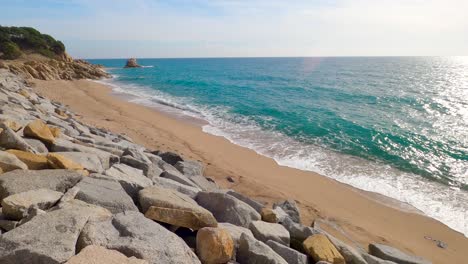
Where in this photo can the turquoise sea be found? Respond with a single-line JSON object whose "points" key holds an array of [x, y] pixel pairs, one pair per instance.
{"points": [[397, 126]]}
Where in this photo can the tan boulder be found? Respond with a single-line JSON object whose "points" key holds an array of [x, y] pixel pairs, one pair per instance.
{"points": [[39, 130], [24, 93], [181, 217], [99, 255], [33, 161], [268, 215], [214, 245], [57, 161], [55, 131], [9, 162], [157, 203], [61, 113], [12, 124], [15, 205], [320, 248]]}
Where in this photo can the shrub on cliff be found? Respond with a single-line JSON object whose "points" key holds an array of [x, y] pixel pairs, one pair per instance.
{"points": [[10, 51], [30, 40]]}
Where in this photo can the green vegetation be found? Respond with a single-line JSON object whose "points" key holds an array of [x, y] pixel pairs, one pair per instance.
{"points": [[15, 40]]}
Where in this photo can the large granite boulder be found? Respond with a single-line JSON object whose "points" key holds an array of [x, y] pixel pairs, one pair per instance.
{"points": [[264, 231], [172, 207], [252, 251], [290, 207], [170, 157], [132, 63], [97, 254], [177, 186], [320, 248], [392, 254], [47, 238], [135, 235], [227, 208], [89, 161], [290, 255], [298, 232], [15, 206], [254, 204], [178, 177], [105, 193], [9, 139], [235, 231], [350, 254], [131, 179], [190, 168], [22, 181], [214, 245]]}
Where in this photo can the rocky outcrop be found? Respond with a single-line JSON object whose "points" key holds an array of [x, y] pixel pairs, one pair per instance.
{"points": [[54, 69], [132, 63]]}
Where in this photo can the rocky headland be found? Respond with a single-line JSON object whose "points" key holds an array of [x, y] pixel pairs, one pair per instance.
{"points": [[72, 193], [27, 52]]}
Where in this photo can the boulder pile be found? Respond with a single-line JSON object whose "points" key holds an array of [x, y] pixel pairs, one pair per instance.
{"points": [[73, 193]]}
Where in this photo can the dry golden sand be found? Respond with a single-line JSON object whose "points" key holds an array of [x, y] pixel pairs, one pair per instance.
{"points": [[352, 215]]}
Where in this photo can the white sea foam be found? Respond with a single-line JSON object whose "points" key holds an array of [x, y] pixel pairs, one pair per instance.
{"points": [[446, 204]]}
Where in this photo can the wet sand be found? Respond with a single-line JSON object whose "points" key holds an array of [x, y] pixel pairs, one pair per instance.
{"points": [[352, 215]]}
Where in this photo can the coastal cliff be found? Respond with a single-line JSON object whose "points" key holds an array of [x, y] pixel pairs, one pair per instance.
{"points": [[33, 55]]}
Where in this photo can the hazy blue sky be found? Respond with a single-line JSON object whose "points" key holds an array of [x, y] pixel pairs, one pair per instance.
{"points": [[182, 28]]}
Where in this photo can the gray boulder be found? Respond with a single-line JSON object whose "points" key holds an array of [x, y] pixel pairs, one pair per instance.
{"points": [[190, 168], [177, 186], [170, 157], [204, 183], [89, 161], [10, 140], [389, 253], [235, 231], [63, 145], [137, 154], [131, 179], [264, 231], [37, 145], [298, 232], [375, 260], [138, 164], [46, 238], [178, 177], [254, 204], [290, 207], [22, 181], [350, 254], [252, 251], [15, 206], [290, 255], [105, 193], [135, 235], [227, 208]]}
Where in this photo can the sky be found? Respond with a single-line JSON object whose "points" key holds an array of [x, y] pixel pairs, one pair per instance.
{"points": [[243, 28]]}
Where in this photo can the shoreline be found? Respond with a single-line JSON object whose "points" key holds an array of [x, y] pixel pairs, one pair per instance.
{"points": [[360, 217]]}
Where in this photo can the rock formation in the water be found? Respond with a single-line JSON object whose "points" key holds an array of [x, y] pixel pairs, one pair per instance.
{"points": [[132, 63]]}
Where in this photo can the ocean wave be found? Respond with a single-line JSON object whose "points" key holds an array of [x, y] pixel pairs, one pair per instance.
{"points": [[441, 202]]}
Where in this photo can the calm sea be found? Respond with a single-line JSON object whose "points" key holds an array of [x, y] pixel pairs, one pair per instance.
{"points": [[392, 125]]}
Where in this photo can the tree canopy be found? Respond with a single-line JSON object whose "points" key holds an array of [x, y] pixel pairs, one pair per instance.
{"points": [[15, 40]]}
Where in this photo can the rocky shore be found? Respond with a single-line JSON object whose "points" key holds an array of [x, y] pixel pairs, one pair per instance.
{"points": [[73, 193]]}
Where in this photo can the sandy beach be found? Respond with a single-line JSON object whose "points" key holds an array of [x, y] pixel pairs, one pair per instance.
{"points": [[354, 216]]}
